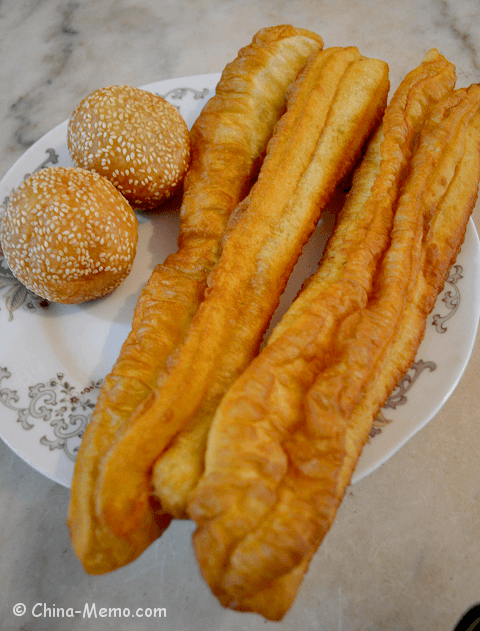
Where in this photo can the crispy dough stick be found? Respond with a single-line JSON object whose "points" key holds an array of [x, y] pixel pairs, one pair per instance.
{"points": [[455, 123], [399, 131], [378, 345], [332, 107], [179, 468], [261, 450], [228, 141]]}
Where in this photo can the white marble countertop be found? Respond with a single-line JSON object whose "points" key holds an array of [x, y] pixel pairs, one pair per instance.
{"points": [[404, 552]]}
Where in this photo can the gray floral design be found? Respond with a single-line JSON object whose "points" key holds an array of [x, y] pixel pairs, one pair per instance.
{"points": [[57, 403], [398, 396], [14, 293], [180, 93], [450, 298]]}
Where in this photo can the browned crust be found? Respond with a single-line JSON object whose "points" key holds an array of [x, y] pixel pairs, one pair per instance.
{"points": [[333, 106], [178, 470], [228, 141], [68, 235], [448, 195], [279, 439]]}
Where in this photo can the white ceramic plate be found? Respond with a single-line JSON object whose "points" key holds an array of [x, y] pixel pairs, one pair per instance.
{"points": [[53, 357]]}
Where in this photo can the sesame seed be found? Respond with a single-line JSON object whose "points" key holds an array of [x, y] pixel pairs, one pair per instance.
{"points": [[141, 135], [44, 241]]}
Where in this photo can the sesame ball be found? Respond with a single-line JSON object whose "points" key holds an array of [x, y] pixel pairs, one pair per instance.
{"points": [[68, 235], [136, 139]]}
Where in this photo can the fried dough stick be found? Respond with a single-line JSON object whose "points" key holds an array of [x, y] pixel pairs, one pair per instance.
{"points": [[228, 143], [269, 465], [456, 124], [179, 468], [332, 107], [380, 343], [375, 348]]}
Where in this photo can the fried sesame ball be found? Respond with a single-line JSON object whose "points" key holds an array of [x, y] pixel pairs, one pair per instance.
{"points": [[136, 139], [68, 235]]}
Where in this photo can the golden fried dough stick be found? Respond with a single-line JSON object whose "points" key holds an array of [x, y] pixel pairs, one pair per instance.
{"points": [[376, 347], [379, 344], [181, 465], [265, 456], [399, 131], [454, 178], [332, 108], [228, 142], [179, 468]]}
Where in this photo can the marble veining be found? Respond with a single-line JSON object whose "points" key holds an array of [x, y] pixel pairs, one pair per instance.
{"points": [[459, 30], [404, 552]]}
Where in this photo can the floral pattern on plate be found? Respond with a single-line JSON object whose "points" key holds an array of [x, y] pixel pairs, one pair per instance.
{"points": [[50, 377]]}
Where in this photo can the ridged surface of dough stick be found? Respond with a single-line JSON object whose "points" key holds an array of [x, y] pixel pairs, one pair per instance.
{"points": [[399, 131], [375, 348], [458, 119], [228, 142], [179, 468], [269, 489], [332, 108]]}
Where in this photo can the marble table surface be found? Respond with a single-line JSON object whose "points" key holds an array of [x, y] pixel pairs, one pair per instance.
{"points": [[404, 551]]}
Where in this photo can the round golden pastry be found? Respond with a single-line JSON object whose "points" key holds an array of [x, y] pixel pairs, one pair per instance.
{"points": [[136, 139], [68, 235]]}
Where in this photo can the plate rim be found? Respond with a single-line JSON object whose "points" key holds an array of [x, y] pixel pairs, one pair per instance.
{"points": [[362, 470]]}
